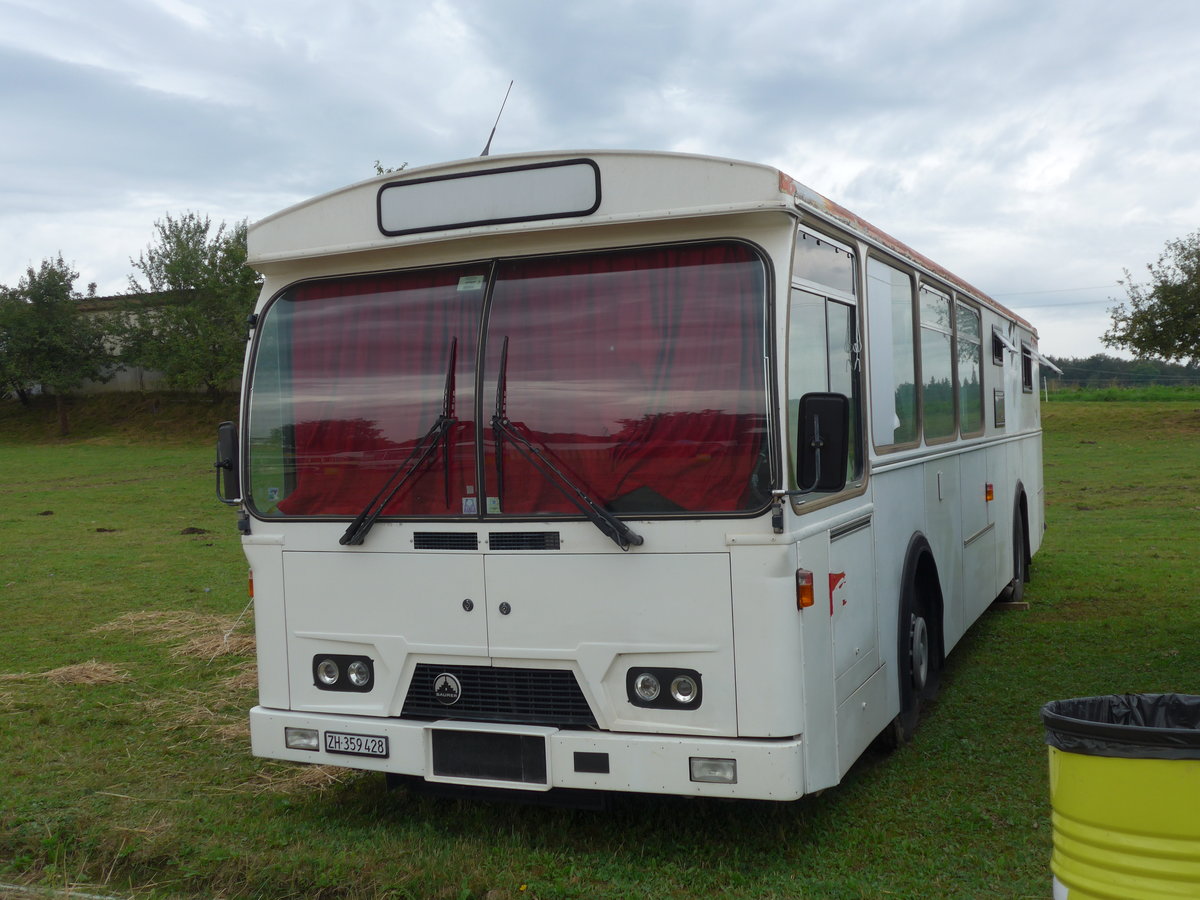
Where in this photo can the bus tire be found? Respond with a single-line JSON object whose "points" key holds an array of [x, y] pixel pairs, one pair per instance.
{"points": [[914, 666], [919, 646], [1016, 591]]}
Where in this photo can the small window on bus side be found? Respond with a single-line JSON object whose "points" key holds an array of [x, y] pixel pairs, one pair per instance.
{"points": [[969, 374], [1026, 368], [997, 346], [937, 365], [819, 260], [893, 356]]}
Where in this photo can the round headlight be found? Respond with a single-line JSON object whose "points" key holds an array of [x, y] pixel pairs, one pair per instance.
{"points": [[359, 673], [683, 689], [327, 671], [646, 687]]}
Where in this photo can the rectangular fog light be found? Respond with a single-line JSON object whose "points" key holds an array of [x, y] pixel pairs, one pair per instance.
{"points": [[713, 771], [302, 738]]}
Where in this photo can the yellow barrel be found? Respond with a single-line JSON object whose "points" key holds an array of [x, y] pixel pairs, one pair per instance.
{"points": [[1125, 796]]}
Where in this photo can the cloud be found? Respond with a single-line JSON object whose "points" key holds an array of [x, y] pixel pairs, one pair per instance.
{"points": [[1023, 145]]}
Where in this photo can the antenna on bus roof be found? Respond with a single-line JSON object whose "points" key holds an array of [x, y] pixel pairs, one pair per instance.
{"points": [[488, 146]]}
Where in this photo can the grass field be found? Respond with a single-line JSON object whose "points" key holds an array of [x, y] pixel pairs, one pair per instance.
{"points": [[126, 673]]}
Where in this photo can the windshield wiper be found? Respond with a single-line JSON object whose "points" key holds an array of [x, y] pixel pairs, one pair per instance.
{"points": [[503, 427], [356, 533]]}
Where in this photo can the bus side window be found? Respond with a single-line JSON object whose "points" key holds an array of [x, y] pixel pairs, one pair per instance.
{"points": [[842, 340], [806, 360], [822, 356], [1026, 368], [968, 374], [937, 365], [893, 357]]}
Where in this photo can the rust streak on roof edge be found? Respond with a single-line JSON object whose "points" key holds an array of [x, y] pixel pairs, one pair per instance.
{"points": [[821, 204]]}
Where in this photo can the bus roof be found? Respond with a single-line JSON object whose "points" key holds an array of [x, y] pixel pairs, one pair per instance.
{"points": [[552, 190]]}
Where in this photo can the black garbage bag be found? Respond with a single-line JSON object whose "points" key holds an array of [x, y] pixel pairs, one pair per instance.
{"points": [[1126, 726]]}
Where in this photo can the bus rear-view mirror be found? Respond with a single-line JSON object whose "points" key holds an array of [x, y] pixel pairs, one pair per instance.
{"points": [[823, 442], [229, 487]]}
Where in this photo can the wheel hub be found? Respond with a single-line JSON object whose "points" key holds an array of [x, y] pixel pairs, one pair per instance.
{"points": [[918, 652]]}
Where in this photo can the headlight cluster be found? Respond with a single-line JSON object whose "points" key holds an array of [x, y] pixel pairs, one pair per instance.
{"points": [[335, 672], [663, 688]]}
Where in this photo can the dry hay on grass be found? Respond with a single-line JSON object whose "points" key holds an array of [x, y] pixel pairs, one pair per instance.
{"points": [[297, 778], [243, 681], [194, 718], [90, 672], [211, 646], [207, 711], [195, 635], [198, 636]]}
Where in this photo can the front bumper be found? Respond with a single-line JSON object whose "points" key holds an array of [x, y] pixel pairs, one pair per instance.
{"points": [[536, 758]]}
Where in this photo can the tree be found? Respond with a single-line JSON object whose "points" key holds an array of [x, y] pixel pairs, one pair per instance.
{"points": [[46, 340], [1162, 318], [16, 337], [187, 318]]}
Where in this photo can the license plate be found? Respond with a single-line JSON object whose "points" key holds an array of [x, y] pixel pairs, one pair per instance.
{"points": [[356, 744]]}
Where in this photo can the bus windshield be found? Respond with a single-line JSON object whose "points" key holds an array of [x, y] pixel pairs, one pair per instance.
{"points": [[638, 374]]}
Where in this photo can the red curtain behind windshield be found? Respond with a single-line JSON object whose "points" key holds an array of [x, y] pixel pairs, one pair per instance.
{"points": [[369, 362], [639, 372], [641, 375]]}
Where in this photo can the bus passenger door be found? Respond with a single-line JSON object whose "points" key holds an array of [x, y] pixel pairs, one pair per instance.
{"points": [[824, 356]]}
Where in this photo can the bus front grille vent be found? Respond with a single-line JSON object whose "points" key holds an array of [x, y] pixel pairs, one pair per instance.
{"points": [[445, 540], [495, 694], [523, 540]]}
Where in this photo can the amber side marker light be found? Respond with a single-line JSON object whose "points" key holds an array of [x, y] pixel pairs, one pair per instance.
{"points": [[250, 584], [804, 589], [989, 492]]}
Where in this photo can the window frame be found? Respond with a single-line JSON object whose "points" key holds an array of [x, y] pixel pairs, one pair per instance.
{"points": [[949, 331], [829, 294], [963, 302], [764, 338], [914, 347]]}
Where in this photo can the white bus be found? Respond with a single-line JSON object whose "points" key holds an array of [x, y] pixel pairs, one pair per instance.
{"points": [[617, 472]]}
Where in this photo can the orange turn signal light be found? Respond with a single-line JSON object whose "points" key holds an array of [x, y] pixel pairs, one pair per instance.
{"points": [[989, 492], [804, 589]]}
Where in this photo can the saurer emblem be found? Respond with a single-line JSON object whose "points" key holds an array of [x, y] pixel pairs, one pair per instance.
{"points": [[447, 689]]}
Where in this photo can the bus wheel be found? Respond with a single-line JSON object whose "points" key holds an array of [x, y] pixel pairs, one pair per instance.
{"points": [[918, 653], [918, 680], [1016, 591]]}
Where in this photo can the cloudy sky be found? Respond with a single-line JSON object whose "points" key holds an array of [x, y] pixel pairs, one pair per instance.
{"points": [[1037, 148]]}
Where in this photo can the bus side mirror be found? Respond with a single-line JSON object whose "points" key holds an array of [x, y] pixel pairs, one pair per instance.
{"points": [[229, 487], [823, 442]]}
